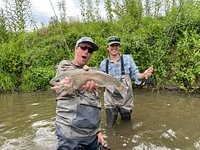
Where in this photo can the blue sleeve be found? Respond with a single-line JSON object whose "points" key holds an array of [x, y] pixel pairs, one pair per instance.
{"points": [[103, 66], [134, 71]]}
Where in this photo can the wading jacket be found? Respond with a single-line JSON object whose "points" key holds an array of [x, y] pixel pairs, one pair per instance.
{"points": [[78, 114]]}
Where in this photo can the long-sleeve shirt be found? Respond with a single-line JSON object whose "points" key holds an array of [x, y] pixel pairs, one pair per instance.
{"points": [[115, 68]]}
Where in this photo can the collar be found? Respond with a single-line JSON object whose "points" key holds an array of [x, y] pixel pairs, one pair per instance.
{"points": [[77, 66], [108, 58]]}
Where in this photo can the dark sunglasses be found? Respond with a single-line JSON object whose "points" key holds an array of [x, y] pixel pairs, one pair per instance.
{"points": [[90, 50]]}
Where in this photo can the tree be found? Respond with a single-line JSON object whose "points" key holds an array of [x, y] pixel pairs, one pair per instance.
{"points": [[18, 15], [109, 10], [147, 8], [62, 9], [89, 11], [82, 5], [98, 17], [3, 30]]}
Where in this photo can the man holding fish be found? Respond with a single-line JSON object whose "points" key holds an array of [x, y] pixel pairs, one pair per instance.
{"points": [[78, 111], [123, 68]]}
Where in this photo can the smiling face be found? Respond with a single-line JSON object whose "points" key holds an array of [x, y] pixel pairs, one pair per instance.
{"points": [[82, 53], [113, 49]]}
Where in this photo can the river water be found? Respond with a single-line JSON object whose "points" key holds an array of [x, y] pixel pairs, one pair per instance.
{"points": [[160, 121]]}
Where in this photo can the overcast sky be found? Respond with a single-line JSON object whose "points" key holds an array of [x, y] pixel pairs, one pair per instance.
{"points": [[43, 10]]}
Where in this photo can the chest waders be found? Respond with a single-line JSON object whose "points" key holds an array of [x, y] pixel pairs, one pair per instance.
{"points": [[77, 116], [114, 102]]}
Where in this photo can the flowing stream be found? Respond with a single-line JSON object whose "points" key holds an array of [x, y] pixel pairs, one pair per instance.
{"points": [[160, 121]]}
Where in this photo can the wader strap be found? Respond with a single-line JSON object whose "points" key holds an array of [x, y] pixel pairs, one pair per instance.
{"points": [[122, 65], [107, 62]]}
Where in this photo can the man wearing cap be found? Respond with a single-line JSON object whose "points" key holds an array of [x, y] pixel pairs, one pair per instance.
{"points": [[78, 114], [123, 68]]}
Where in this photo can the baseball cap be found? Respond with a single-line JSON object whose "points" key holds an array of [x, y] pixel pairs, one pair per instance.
{"points": [[87, 40], [113, 40]]}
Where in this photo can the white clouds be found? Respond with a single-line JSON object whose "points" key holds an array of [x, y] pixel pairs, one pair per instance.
{"points": [[44, 6], [1, 4], [43, 9]]}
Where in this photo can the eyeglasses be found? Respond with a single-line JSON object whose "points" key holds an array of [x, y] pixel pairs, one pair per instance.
{"points": [[90, 50]]}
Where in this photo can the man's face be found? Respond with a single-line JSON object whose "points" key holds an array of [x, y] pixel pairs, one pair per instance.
{"points": [[113, 49], [83, 53]]}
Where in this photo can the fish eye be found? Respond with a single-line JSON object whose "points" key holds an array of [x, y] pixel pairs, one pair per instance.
{"points": [[58, 80]]}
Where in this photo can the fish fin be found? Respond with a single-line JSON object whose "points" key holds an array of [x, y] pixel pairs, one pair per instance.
{"points": [[123, 89], [110, 88], [67, 87]]}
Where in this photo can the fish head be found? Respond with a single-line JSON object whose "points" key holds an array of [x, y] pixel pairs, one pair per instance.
{"points": [[60, 81], [55, 81], [65, 84]]}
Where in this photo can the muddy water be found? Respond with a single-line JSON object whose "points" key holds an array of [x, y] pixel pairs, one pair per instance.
{"points": [[160, 121]]}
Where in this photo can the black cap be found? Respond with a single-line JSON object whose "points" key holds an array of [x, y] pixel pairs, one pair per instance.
{"points": [[113, 40]]}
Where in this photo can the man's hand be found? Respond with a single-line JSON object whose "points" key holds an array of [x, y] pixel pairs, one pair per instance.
{"points": [[90, 85], [100, 138], [148, 72], [86, 68]]}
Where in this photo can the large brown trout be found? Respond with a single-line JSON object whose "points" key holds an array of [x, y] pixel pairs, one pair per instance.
{"points": [[80, 77]]}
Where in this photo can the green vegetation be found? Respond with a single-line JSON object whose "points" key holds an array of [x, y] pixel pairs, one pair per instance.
{"points": [[169, 40]]}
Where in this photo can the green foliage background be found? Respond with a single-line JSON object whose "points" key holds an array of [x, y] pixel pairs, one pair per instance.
{"points": [[171, 43]]}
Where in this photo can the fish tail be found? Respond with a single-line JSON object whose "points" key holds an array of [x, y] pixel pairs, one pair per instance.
{"points": [[123, 90]]}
